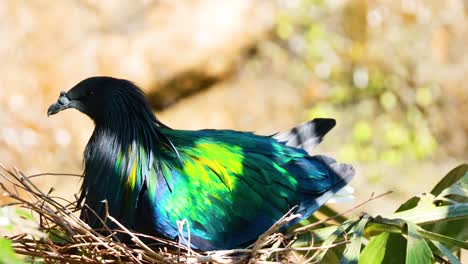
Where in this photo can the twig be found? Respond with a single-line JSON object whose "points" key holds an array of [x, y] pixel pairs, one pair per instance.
{"points": [[371, 198], [73, 241], [55, 174], [136, 239]]}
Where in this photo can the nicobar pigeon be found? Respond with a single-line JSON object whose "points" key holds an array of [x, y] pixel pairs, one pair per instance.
{"points": [[229, 186]]}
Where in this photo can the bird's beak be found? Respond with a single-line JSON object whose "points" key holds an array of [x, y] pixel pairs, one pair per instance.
{"points": [[62, 103]]}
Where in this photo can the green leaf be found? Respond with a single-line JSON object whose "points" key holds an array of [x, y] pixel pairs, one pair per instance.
{"points": [[374, 252], [417, 249], [351, 254], [446, 252], [452, 177], [410, 204], [333, 255], [454, 193], [379, 225], [455, 189], [447, 220], [385, 248], [7, 255], [444, 239], [457, 229], [457, 192], [338, 232], [314, 236], [433, 215]]}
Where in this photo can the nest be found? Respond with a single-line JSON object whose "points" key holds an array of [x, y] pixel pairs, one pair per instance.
{"points": [[69, 239]]}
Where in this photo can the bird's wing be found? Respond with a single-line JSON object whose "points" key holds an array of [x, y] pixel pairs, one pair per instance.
{"points": [[234, 185]]}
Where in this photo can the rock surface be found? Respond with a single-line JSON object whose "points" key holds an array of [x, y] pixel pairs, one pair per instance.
{"points": [[50, 46]]}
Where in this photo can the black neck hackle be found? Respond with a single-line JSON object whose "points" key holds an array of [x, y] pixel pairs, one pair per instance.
{"points": [[125, 122]]}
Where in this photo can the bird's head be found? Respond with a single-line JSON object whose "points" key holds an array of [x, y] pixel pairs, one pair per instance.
{"points": [[102, 98]]}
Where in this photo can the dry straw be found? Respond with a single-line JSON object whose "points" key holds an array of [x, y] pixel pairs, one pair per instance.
{"points": [[70, 240]]}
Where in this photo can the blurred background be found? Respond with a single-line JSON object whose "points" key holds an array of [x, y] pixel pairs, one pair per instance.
{"points": [[391, 72]]}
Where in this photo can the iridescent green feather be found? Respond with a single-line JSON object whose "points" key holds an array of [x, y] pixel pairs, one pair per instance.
{"points": [[228, 181]]}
